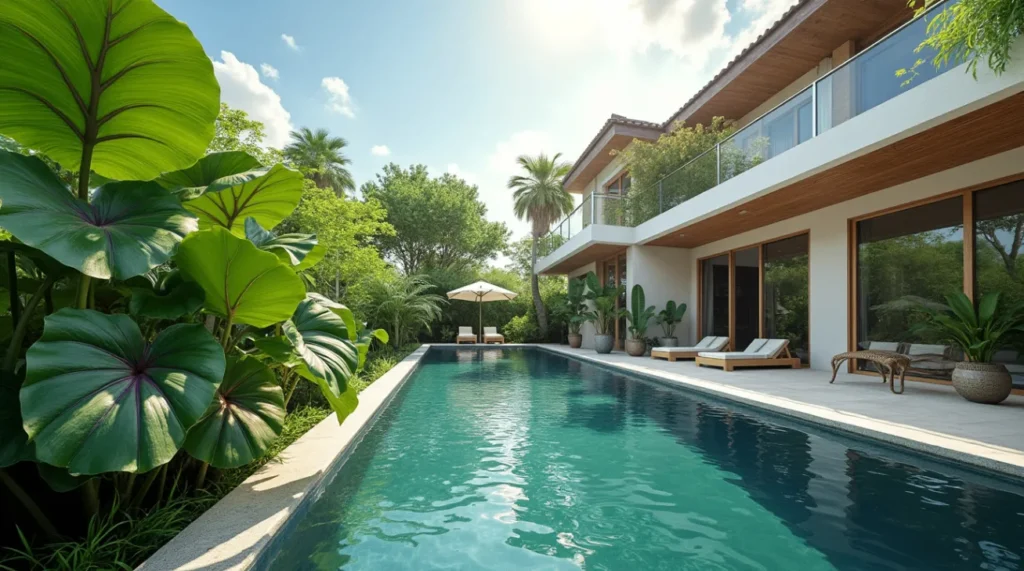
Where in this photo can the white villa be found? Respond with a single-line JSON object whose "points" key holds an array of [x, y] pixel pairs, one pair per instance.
{"points": [[846, 195]]}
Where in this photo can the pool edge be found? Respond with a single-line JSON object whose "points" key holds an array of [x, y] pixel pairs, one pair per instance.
{"points": [[965, 451], [236, 531]]}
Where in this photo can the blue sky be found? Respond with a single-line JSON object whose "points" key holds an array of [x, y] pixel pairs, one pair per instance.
{"points": [[466, 85]]}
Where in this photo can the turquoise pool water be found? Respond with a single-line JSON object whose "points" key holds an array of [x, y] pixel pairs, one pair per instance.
{"points": [[521, 459]]}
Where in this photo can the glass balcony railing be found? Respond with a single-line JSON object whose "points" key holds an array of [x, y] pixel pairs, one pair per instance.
{"points": [[858, 85], [602, 208]]}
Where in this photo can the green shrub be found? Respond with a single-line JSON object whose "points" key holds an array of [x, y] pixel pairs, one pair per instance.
{"points": [[521, 329]]}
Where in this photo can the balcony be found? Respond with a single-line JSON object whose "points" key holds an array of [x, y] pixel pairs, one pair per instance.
{"points": [[859, 85]]}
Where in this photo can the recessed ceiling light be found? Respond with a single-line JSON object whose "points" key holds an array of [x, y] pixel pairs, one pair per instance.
{"points": [[742, 212], [682, 235]]}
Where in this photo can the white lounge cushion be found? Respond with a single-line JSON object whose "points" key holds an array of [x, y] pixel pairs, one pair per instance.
{"points": [[755, 346], [491, 332], [883, 346], [773, 347], [734, 356], [713, 344], [758, 349], [466, 331]]}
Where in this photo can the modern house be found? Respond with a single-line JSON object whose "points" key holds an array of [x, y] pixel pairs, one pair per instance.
{"points": [[846, 196]]}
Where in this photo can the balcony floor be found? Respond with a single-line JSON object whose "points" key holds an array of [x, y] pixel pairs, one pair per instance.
{"points": [[928, 417]]}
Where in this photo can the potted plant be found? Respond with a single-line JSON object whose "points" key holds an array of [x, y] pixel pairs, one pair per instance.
{"points": [[668, 318], [574, 309], [602, 312], [979, 333], [638, 316]]}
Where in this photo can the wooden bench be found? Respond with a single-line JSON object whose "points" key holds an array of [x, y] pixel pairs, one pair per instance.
{"points": [[885, 362]]}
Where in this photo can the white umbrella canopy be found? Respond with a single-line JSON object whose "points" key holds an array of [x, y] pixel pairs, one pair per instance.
{"points": [[482, 292]]}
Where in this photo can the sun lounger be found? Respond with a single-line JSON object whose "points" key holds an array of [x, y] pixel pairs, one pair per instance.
{"points": [[709, 343], [491, 335], [466, 335], [760, 353], [887, 362]]}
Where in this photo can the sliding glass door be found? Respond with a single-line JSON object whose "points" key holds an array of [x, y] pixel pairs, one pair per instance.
{"points": [[715, 294], [759, 291], [786, 293]]}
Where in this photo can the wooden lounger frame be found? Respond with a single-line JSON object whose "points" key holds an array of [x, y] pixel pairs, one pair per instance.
{"points": [[730, 364], [494, 339], [673, 356], [465, 339]]}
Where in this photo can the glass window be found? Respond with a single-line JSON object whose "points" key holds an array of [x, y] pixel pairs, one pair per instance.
{"points": [[998, 237], [614, 187], [622, 299], [786, 294], [904, 259], [627, 182], [715, 293]]}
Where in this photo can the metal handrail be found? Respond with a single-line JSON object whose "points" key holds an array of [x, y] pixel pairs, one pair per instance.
{"points": [[813, 86]]}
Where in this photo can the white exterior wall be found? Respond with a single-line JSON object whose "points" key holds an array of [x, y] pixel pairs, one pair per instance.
{"points": [[829, 271], [665, 274]]}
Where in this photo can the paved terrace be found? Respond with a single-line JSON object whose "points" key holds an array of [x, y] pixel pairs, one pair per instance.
{"points": [[927, 417]]}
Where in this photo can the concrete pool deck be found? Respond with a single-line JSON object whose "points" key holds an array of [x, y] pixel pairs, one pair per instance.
{"points": [[928, 417]]}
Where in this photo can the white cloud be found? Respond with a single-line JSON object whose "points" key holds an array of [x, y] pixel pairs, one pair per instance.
{"points": [[290, 41], [455, 169], [338, 98], [241, 88], [269, 71], [380, 151]]}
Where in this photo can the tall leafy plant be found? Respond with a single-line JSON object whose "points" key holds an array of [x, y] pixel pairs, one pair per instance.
{"points": [[187, 317], [602, 304], [978, 332], [670, 317], [639, 313], [575, 304]]}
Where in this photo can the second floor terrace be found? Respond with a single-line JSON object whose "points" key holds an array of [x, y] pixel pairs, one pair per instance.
{"points": [[857, 110]]}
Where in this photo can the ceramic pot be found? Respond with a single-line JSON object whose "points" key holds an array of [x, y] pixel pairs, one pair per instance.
{"points": [[986, 383], [668, 341], [636, 347], [575, 340], [603, 344]]}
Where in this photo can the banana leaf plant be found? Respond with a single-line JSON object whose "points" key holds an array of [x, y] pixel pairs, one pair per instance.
{"points": [[575, 304], [603, 309], [670, 317], [166, 257], [639, 313], [978, 332]]}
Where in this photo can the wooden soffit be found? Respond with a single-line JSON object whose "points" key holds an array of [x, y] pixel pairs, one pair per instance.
{"points": [[614, 137], [592, 253]]}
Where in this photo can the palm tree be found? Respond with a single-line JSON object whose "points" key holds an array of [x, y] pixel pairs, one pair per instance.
{"points": [[541, 199], [403, 304], [319, 155]]}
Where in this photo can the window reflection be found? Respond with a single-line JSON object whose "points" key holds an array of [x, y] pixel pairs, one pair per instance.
{"points": [[786, 295]]}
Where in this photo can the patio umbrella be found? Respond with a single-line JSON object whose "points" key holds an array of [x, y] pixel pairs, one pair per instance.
{"points": [[482, 292]]}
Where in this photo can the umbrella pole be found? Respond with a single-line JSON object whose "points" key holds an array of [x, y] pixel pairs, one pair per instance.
{"points": [[480, 324]]}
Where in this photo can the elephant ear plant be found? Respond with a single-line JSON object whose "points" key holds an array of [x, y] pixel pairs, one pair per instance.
{"points": [[574, 310], [174, 324]]}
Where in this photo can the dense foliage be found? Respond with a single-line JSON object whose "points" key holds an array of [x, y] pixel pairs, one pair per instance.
{"points": [[973, 31]]}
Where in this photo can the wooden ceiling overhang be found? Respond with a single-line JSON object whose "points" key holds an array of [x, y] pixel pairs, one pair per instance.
{"points": [[593, 252], [614, 137], [982, 133], [795, 45]]}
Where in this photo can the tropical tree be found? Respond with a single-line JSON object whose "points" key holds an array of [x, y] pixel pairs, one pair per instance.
{"points": [[540, 199], [403, 304], [440, 223], [319, 156], [236, 131], [972, 31]]}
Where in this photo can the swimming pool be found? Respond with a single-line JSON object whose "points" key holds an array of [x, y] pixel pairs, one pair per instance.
{"points": [[522, 459]]}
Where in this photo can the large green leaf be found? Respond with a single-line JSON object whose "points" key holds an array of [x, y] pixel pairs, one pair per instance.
{"points": [[97, 398], [14, 445], [338, 309], [292, 249], [215, 171], [241, 281], [322, 341], [121, 76], [170, 299], [268, 195], [128, 229], [247, 415]]}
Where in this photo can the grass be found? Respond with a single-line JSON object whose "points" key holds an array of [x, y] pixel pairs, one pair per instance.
{"points": [[122, 539]]}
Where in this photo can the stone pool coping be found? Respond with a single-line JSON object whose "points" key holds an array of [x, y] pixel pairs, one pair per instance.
{"points": [[236, 530], [988, 457]]}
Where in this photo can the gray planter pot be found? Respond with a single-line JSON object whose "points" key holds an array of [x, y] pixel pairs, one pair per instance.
{"points": [[603, 344], [636, 347], [985, 383], [668, 341], [575, 340]]}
